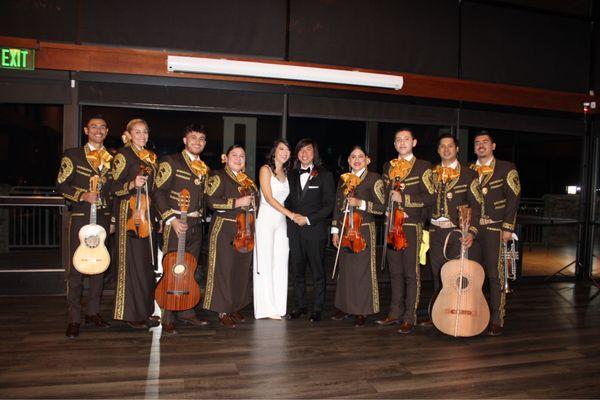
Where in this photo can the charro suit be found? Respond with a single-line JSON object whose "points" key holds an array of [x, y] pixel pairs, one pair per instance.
{"points": [[460, 190], [307, 243], [357, 291], [405, 275], [72, 182], [500, 195], [175, 173], [134, 294]]}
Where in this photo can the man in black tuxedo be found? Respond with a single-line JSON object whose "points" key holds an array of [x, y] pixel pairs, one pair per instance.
{"points": [[312, 196]]}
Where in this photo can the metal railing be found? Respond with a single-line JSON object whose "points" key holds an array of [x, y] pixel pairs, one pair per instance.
{"points": [[532, 234], [31, 221]]}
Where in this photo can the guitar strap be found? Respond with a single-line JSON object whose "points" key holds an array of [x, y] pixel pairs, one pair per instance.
{"points": [[446, 242]]}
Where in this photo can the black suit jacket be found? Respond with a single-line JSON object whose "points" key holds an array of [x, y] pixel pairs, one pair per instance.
{"points": [[314, 202]]}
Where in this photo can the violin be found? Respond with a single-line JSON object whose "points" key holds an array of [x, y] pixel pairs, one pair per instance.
{"points": [[395, 236], [352, 240], [244, 237], [138, 223]]}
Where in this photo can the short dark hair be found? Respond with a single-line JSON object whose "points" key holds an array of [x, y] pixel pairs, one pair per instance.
{"points": [[407, 129], [445, 136], [232, 147], [193, 128], [303, 143], [484, 133], [271, 156], [95, 116]]}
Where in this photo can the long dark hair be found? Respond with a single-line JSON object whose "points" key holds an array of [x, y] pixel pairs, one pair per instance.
{"points": [[303, 143], [271, 155]]}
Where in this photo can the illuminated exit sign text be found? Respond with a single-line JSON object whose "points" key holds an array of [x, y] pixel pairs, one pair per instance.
{"points": [[12, 58]]}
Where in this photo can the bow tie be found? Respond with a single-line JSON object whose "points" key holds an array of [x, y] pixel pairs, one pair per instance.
{"points": [[483, 169], [99, 157], [446, 174], [304, 171], [199, 168]]}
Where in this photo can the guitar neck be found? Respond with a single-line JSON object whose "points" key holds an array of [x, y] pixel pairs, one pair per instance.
{"points": [[93, 209], [181, 241]]}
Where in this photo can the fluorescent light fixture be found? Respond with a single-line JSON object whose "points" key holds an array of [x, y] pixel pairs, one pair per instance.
{"points": [[282, 71]]}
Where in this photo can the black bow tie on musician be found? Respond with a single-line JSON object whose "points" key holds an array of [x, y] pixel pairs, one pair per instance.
{"points": [[304, 171]]}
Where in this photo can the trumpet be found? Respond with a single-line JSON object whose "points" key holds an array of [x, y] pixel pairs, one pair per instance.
{"points": [[509, 261]]}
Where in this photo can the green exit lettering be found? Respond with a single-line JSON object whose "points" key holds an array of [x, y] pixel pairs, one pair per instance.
{"points": [[12, 58]]}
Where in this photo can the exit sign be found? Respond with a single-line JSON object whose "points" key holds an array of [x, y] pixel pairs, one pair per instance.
{"points": [[12, 58]]}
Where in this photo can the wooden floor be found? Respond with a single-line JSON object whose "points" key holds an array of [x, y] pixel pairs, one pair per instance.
{"points": [[550, 349]]}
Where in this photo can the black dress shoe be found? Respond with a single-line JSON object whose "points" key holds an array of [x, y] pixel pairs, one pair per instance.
{"points": [[72, 331], [359, 321], [315, 316], [295, 314], [96, 320], [137, 324], [339, 315], [494, 330], [194, 320]]}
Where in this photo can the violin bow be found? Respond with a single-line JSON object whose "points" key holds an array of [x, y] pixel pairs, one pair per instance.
{"points": [[255, 244], [389, 210], [149, 222], [337, 254]]}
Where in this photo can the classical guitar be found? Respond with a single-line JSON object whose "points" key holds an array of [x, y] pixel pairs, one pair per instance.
{"points": [[177, 289], [460, 309], [91, 256]]}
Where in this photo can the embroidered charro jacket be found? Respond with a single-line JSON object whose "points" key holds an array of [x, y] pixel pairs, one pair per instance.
{"points": [[73, 178], [222, 190], [371, 190], [415, 185], [501, 192], [460, 189], [126, 167], [175, 173]]}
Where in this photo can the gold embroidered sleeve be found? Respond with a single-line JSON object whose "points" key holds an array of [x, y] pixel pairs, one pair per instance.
{"points": [[118, 166], [167, 214], [163, 175], [124, 190], [225, 206], [408, 203], [76, 196], [212, 184], [508, 227], [427, 179], [513, 181], [66, 169]]}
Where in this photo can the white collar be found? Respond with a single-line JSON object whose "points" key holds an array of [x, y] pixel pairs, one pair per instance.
{"points": [[453, 165], [407, 158], [191, 156], [359, 173], [92, 148], [489, 162]]}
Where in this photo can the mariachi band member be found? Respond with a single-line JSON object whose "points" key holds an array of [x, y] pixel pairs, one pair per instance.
{"points": [[134, 168], [501, 193], [360, 196], [176, 172], [454, 186], [405, 176], [230, 192], [73, 181]]}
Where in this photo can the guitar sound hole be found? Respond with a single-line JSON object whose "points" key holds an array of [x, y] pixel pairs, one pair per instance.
{"points": [[179, 269], [92, 241], [465, 283]]}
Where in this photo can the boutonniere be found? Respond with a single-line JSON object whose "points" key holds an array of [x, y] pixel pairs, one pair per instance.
{"points": [[313, 173]]}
